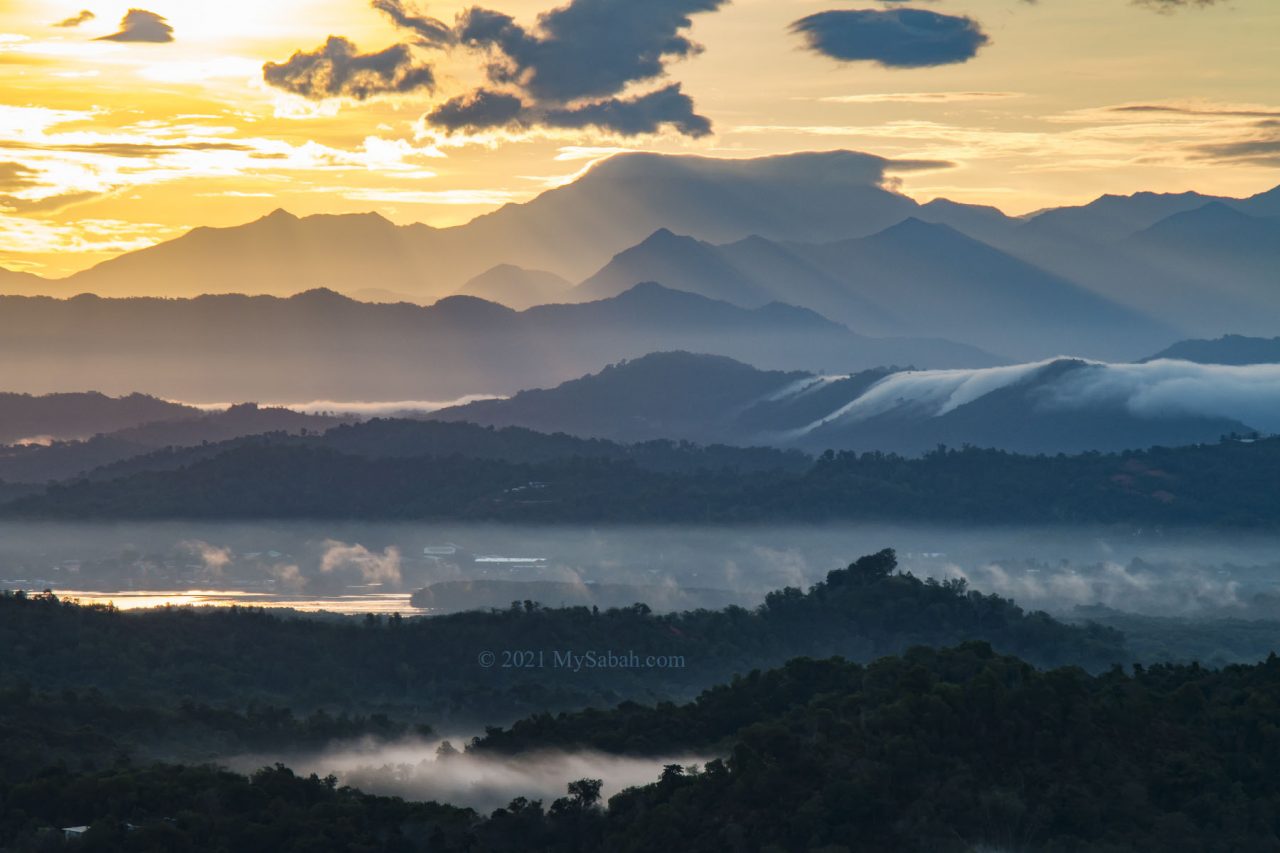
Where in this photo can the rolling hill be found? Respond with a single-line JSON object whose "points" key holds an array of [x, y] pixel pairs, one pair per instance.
{"points": [[60, 460], [58, 417]]}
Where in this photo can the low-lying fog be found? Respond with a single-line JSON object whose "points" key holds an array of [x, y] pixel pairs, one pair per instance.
{"points": [[419, 770], [355, 567]]}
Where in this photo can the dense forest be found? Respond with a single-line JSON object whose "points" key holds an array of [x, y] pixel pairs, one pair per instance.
{"points": [[935, 750], [874, 711], [390, 471], [427, 670]]}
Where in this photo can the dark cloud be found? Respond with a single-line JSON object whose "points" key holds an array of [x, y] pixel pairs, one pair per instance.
{"points": [[76, 20], [587, 48], [894, 38], [339, 69], [142, 26], [648, 113], [431, 32], [483, 109], [1260, 147], [570, 69]]}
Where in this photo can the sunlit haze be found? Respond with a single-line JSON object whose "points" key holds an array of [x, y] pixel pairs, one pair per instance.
{"points": [[111, 145]]}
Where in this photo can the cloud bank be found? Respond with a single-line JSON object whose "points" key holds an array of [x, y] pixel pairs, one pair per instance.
{"points": [[573, 69], [338, 68], [1158, 389], [485, 109], [893, 38], [1158, 590], [586, 49]]}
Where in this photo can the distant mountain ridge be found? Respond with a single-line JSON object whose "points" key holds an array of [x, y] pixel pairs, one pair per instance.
{"points": [[518, 288], [1058, 406], [1124, 275], [914, 278], [65, 416], [568, 231], [320, 345], [1229, 349], [190, 427]]}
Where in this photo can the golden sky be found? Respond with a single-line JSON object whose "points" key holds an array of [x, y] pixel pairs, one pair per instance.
{"points": [[108, 146]]}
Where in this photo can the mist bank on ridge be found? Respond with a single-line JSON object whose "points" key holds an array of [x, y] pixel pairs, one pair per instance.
{"points": [[1059, 406]]}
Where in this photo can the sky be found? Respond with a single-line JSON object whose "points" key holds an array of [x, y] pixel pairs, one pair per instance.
{"points": [[123, 124]]}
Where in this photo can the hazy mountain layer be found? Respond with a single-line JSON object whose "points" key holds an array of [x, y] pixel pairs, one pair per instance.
{"points": [[1116, 278], [56, 417], [518, 288], [1121, 276], [322, 346], [914, 278], [40, 463], [1063, 405], [1229, 349], [568, 231], [1203, 264]]}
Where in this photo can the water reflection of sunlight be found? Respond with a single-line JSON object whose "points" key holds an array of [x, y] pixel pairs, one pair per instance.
{"points": [[143, 599]]}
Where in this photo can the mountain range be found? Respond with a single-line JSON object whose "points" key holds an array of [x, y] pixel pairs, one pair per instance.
{"points": [[1113, 280], [570, 230], [1057, 406], [914, 278], [320, 345], [1229, 349]]}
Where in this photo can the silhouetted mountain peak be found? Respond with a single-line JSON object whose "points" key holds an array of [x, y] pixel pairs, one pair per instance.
{"points": [[665, 237], [471, 308], [1142, 197], [1215, 219], [1265, 203], [654, 296], [785, 312], [322, 295], [1228, 349], [517, 287], [913, 228], [946, 204]]}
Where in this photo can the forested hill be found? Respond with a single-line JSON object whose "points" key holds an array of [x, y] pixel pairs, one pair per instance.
{"points": [[1226, 484], [952, 750], [429, 666], [944, 751], [404, 438]]}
